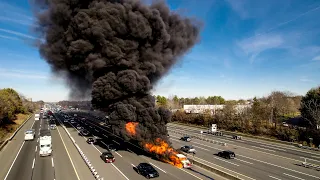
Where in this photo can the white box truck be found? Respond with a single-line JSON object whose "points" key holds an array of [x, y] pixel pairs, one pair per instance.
{"points": [[214, 130], [36, 117], [45, 143]]}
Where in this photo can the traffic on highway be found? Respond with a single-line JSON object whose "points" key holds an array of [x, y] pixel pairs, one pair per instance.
{"points": [[250, 158], [43, 151]]}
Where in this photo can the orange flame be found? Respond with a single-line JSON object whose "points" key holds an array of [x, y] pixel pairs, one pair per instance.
{"points": [[162, 148], [131, 127]]}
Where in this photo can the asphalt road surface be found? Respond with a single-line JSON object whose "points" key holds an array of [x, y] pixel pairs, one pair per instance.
{"points": [[20, 159], [255, 159], [127, 157]]}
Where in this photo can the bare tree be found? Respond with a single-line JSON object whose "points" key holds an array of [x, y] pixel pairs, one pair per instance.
{"points": [[312, 108]]}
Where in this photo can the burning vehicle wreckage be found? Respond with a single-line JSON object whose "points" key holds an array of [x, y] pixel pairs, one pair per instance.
{"points": [[115, 52]]}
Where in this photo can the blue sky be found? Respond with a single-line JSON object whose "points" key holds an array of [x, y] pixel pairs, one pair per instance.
{"points": [[248, 48]]}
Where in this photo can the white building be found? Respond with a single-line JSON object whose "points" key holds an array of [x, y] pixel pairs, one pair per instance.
{"points": [[198, 109]]}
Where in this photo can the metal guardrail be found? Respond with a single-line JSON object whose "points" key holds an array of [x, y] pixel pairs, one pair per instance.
{"points": [[15, 132], [84, 157]]}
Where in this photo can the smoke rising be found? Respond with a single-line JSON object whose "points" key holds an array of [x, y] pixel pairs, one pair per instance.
{"points": [[117, 50]]}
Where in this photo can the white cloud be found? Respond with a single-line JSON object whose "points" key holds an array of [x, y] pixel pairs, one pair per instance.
{"points": [[8, 37], [254, 46], [305, 79], [15, 73], [317, 58], [17, 33], [18, 21]]}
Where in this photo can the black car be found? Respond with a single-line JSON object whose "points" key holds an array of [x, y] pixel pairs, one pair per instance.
{"points": [[84, 133], [111, 147], [91, 141], [107, 157], [147, 170], [227, 154], [185, 138]]}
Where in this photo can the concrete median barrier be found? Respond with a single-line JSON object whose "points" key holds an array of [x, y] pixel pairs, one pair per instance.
{"points": [[217, 171]]}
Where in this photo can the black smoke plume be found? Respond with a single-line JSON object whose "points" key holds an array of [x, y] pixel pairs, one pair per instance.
{"points": [[117, 50]]}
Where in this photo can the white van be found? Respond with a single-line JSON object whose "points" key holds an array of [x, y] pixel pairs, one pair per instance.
{"points": [[36, 117], [29, 134]]}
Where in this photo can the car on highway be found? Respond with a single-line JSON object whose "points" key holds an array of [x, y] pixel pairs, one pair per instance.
{"points": [[53, 126], [79, 127], [147, 170], [227, 154], [84, 132], [72, 121], [185, 138], [111, 147], [91, 140], [107, 157], [237, 137], [188, 149]]}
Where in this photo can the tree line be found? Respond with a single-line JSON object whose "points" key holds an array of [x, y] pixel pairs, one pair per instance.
{"points": [[11, 104], [281, 115]]}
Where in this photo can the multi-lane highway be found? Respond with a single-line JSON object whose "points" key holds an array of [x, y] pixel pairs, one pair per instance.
{"points": [[255, 159], [127, 157], [20, 159]]}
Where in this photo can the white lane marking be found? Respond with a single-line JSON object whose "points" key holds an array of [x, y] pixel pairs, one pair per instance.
{"points": [[129, 150], [14, 161], [316, 157], [243, 161], [310, 159], [33, 162], [263, 148], [68, 154], [52, 162], [133, 165], [116, 142], [202, 148], [226, 161], [38, 140], [158, 167], [118, 153], [190, 173], [120, 171], [36, 149], [96, 130], [105, 135], [271, 147], [274, 177], [279, 166], [293, 176]]}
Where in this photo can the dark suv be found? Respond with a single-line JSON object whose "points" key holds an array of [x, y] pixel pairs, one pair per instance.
{"points": [[147, 170], [227, 154], [185, 138]]}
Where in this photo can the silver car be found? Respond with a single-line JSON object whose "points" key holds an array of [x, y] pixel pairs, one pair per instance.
{"points": [[188, 149]]}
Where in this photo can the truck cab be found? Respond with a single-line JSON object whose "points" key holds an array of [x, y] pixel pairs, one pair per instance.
{"points": [[183, 159]]}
